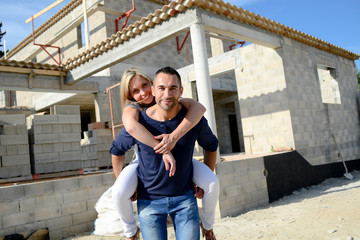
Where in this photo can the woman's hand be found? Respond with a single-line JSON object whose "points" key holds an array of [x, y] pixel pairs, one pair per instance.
{"points": [[169, 159], [167, 143]]}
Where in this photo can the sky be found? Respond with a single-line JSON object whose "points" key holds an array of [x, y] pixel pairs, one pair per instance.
{"points": [[334, 21]]}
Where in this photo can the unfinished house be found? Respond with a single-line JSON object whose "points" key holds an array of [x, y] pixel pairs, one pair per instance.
{"points": [[284, 105]]}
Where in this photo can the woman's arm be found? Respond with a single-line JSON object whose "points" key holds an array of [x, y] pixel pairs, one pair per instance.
{"points": [[195, 112], [131, 123], [130, 119]]}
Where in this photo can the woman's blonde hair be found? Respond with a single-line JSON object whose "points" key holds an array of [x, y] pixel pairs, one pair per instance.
{"points": [[124, 85]]}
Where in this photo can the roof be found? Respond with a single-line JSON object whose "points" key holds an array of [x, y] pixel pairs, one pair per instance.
{"points": [[31, 65], [171, 10]]}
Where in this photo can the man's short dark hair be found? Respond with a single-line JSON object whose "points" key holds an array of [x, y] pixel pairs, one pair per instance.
{"points": [[170, 71]]}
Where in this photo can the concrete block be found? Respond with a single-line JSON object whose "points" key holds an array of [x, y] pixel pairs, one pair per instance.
{"points": [[47, 213], [26, 205], [44, 119], [14, 139], [73, 146], [46, 138], [21, 129], [68, 118], [12, 150], [69, 137], [23, 149], [64, 221], [15, 219], [63, 185], [33, 190], [12, 119], [69, 156], [83, 217], [48, 200], [9, 207], [15, 160], [46, 157], [8, 129], [66, 109], [90, 181], [57, 128], [24, 170], [3, 150], [74, 208], [75, 195]]}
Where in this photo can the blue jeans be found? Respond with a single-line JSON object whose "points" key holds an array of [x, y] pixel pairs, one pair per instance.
{"points": [[183, 211]]}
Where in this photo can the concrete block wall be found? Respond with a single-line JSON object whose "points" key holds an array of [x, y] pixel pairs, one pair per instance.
{"points": [[313, 120], [55, 140], [64, 206], [14, 147], [242, 185], [95, 148], [263, 99]]}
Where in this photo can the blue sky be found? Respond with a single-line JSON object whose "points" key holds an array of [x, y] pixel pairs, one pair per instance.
{"points": [[333, 21]]}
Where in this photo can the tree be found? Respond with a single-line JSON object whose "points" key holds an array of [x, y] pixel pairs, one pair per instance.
{"points": [[1, 35], [358, 76]]}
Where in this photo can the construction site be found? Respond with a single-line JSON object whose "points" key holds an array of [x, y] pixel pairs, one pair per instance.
{"points": [[283, 104]]}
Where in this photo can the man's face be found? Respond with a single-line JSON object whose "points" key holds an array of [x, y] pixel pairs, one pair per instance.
{"points": [[166, 90]]}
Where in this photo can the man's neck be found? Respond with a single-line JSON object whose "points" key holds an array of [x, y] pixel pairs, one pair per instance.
{"points": [[157, 113]]}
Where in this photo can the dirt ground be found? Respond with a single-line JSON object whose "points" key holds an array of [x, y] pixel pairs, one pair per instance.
{"points": [[330, 210]]}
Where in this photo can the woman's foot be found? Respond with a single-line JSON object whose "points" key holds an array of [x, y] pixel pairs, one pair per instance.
{"points": [[208, 234], [136, 235]]}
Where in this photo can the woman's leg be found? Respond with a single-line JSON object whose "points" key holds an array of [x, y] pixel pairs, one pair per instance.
{"points": [[124, 187], [207, 180]]}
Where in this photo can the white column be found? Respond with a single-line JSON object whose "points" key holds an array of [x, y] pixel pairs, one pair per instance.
{"points": [[203, 82], [202, 73], [86, 29]]}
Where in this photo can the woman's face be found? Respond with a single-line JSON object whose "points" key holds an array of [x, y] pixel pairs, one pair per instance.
{"points": [[140, 90]]}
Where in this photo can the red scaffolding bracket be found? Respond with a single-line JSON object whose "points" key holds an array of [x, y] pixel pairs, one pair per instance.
{"points": [[182, 45], [127, 14], [241, 43], [43, 46]]}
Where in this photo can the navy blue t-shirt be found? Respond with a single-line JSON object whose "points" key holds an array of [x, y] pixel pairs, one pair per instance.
{"points": [[153, 179]]}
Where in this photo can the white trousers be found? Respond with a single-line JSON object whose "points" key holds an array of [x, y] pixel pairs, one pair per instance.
{"points": [[125, 186]]}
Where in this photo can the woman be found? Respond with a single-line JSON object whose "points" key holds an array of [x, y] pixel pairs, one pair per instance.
{"points": [[135, 90]]}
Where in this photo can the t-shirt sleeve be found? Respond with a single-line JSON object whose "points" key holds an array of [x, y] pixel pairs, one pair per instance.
{"points": [[207, 140], [123, 142]]}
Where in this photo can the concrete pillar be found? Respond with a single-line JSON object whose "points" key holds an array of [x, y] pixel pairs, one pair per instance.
{"points": [[203, 82], [202, 73]]}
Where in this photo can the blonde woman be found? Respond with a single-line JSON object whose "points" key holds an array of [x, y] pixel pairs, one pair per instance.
{"points": [[135, 91]]}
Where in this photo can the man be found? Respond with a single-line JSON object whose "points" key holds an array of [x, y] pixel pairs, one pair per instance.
{"points": [[160, 195]]}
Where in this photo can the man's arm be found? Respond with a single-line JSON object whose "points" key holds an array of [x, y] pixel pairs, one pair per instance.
{"points": [[118, 163], [210, 159]]}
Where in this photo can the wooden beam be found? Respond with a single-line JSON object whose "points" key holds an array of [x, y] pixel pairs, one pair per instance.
{"points": [[44, 10]]}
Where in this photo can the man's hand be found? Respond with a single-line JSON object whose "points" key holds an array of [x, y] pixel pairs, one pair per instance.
{"points": [[198, 192], [134, 196], [169, 159], [166, 145]]}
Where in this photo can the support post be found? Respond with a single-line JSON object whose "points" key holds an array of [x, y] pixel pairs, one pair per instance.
{"points": [[202, 73], [86, 30]]}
